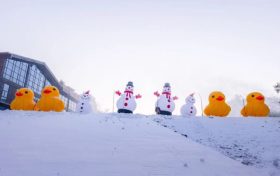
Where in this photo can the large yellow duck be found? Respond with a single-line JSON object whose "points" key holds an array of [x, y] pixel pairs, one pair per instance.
{"points": [[255, 106], [24, 100], [217, 105], [50, 100]]}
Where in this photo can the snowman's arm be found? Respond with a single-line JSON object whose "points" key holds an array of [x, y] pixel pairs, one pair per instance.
{"points": [[138, 96], [156, 94], [175, 98], [118, 93]]}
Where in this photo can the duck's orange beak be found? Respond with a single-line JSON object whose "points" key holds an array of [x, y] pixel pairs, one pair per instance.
{"points": [[260, 98], [19, 94], [220, 98], [47, 91]]}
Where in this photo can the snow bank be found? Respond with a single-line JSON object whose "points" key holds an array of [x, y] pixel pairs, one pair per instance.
{"points": [[65, 144], [251, 141]]}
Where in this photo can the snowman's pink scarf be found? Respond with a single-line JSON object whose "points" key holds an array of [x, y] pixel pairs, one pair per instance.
{"points": [[168, 95], [128, 93]]}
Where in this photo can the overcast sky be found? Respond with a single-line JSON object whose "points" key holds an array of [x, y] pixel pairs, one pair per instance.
{"points": [[196, 45]]}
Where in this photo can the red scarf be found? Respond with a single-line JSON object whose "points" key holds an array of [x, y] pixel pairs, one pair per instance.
{"points": [[168, 95], [128, 93]]}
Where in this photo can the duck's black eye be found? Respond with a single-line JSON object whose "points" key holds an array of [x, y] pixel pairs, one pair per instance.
{"points": [[213, 96], [253, 96], [54, 89], [26, 92]]}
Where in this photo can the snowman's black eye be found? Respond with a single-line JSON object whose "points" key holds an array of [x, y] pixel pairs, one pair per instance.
{"points": [[26, 92], [253, 96]]}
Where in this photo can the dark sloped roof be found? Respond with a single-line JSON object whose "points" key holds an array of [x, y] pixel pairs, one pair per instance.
{"points": [[41, 65]]}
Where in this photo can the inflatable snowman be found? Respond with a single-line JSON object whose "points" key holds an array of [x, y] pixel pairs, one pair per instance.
{"points": [[127, 101], [189, 109], [84, 105], [165, 103]]}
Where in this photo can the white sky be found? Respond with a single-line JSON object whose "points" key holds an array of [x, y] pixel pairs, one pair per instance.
{"points": [[196, 45]]}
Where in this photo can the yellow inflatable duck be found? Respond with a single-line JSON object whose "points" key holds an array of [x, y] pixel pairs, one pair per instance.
{"points": [[23, 100], [255, 106], [217, 105], [50, 100]]}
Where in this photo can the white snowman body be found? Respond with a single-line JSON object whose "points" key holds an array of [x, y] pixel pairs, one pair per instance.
{"points": [[84, 105], [127, 100], [189, 109], [165, 102]]}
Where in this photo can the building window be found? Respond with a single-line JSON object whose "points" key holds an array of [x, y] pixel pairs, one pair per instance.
{"points": [[36, 99], [65, 100], [72, 106], [15, 71], [36, 79], [47, 83], [5, 92]]}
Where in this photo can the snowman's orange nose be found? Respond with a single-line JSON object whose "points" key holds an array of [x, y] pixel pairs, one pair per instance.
{"points": [[220, 98], [260, 97], [19, 94], [47, 91]]}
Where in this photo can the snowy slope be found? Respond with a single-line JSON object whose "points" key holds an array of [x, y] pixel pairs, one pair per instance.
{"points": [[251, 141], [65, 144]]}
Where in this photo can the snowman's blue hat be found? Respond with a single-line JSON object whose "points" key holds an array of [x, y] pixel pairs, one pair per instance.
{"points": [[166, 85], [130, 83]]}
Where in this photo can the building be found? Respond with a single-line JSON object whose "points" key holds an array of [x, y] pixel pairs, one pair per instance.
{"points": [[18, 71]]}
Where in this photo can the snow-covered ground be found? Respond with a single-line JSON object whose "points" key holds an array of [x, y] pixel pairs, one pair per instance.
{"points": [[68, 144], [251, 141]]}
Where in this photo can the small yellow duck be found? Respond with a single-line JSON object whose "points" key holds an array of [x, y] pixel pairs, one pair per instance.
{"points": [[23, 100], [50, 100], [255, 106], [217, 105]]}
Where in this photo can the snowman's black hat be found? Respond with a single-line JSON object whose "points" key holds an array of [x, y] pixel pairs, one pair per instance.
{"points": [[166, 85], [130, 83]]}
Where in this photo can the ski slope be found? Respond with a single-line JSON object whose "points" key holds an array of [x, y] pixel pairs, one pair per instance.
{"points": [[68, 144]]}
